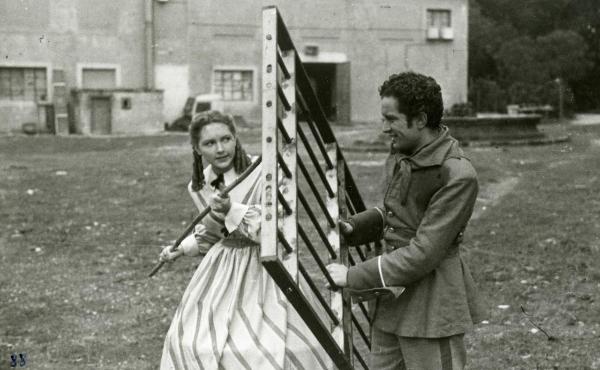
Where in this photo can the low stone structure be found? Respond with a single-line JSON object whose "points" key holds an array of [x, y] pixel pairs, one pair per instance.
{"points": [[495, 127], [117, 111]]}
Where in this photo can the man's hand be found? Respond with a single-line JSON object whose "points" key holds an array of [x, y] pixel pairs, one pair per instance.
{"points": [[166, 256], [346, 227], [338, 274], [219, 203]]}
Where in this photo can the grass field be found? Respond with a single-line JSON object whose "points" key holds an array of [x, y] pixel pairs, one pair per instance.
{"points": [[81, 220]]}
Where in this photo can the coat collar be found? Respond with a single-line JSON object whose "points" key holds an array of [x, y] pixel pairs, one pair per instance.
{"points": [[433, 153]]}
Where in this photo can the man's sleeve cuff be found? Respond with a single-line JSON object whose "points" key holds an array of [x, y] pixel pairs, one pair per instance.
{"points": [[368, 227], [235, 215], [365, 275]]}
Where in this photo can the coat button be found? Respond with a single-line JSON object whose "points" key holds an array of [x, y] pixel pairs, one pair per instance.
{"points": [[390, 214], [391, 229]]}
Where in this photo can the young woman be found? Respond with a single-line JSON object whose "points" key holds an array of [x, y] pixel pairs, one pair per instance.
{"points": [[232, 314]]}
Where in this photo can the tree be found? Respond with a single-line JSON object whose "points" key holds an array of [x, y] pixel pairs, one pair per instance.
{"points": [[524, 46], [485, 37], [530, 17], [584, 17], [560, 54]]}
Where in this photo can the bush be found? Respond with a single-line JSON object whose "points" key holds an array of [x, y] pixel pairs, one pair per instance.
{"points": [[460, 110], [487, 96], [543, 94]]}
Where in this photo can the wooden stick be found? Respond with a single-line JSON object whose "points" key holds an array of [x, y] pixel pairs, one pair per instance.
{"points": [[206, 211]]}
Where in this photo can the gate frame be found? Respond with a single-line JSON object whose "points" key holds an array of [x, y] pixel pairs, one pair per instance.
{"points": [[285, 90]]}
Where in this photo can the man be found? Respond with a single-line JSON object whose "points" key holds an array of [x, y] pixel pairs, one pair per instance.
{"points": [[431, 190]]}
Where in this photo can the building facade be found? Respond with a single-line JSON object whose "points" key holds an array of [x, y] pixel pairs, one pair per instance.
{"points": [[181, 48]]}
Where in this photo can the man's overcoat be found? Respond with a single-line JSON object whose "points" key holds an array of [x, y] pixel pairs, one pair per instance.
{"points": [[427, 204]]}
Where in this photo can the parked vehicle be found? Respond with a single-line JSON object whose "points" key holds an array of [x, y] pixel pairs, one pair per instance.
{"points": [[195, 105]]}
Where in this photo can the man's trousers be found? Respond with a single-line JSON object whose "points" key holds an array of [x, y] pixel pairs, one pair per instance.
{"points": [[391, 352]]}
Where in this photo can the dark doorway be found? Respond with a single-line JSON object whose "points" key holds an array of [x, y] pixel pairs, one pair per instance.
{"points": [[100, 121], [322, 79], [331, 82]]}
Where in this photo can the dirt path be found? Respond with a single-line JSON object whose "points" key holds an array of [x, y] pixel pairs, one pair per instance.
{"points": [[490, 194]]}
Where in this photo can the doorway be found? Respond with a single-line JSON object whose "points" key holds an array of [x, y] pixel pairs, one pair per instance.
{"points": [[331, 82], [100, 115]]}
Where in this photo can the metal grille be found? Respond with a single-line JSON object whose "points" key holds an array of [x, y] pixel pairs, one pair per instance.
{"points": [[325, 190]]}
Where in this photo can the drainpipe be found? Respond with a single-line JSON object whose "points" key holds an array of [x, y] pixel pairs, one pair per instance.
{"points": [[149, 43]]}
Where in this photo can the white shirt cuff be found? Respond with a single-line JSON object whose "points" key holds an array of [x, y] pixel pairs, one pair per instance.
{"points": [[189, 246], [235, 215], [380, 272]]}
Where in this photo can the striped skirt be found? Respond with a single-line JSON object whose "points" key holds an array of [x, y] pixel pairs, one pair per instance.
{"points": [[233, 316]]}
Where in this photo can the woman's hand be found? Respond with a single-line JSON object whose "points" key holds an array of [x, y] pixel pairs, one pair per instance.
{"points": [[167, 256], [220, 203]]}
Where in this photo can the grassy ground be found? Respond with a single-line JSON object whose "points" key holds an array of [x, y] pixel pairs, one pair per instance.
{"points": [[81, 220]]}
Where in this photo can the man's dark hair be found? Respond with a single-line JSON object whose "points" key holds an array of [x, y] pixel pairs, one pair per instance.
{"points": [[415, 93]]}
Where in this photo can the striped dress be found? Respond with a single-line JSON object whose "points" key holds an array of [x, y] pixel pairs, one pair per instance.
{"points": [[232, 314]]}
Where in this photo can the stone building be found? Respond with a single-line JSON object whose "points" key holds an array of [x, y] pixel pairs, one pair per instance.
{"points": [[150, 55]]}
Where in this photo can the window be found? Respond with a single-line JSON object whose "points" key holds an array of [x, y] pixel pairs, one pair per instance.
{"points": [[234, 85], [126, 103], [439, 24], [202, 107], [23, 83], [438, 18]]}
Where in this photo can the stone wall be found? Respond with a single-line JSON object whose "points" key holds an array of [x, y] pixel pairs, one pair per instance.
{"points": [[14, 114]]}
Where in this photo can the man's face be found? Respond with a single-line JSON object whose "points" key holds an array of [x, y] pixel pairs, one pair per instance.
{"points": [[217, 146], [405, 139]]}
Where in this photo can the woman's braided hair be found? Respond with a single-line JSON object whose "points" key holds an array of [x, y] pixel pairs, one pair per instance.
{"points": [[241, 160]]}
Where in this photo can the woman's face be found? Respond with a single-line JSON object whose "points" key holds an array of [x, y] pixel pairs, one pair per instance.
{"points": [[217, 146]]}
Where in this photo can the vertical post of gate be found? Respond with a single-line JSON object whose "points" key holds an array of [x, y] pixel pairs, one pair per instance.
{"points": [[289, 186], [342, 333], [270, 79]]}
